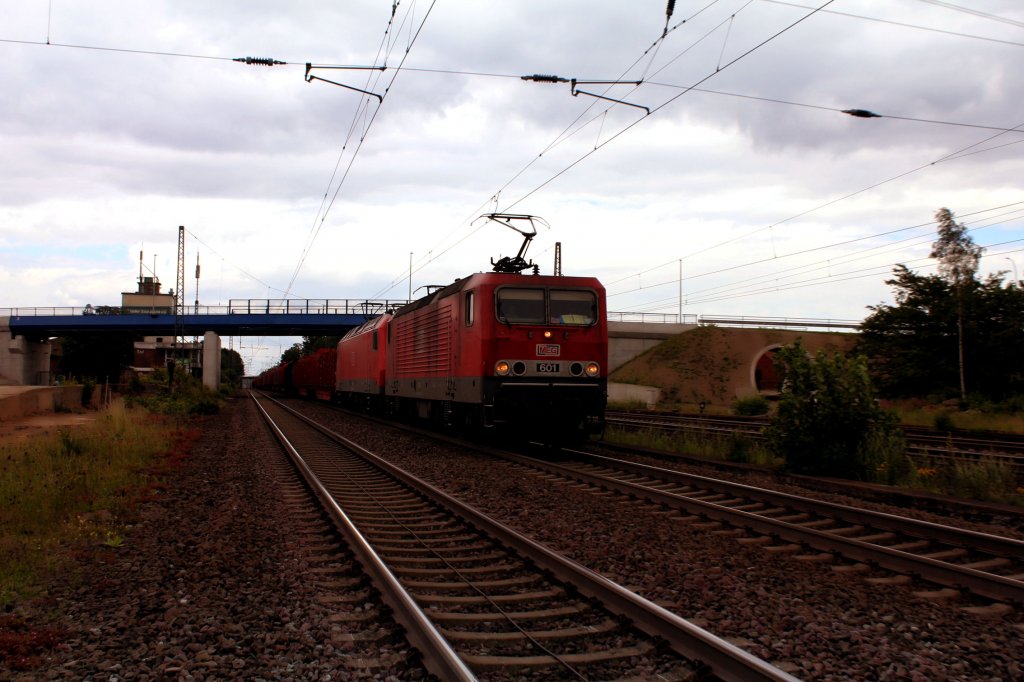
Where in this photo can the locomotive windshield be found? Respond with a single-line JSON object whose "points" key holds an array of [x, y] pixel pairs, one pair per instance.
{"points": [[520, 306], [538, 306], [573, 307]]}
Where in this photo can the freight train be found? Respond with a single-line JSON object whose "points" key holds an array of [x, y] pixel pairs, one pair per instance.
{"points": [[524, 353]]}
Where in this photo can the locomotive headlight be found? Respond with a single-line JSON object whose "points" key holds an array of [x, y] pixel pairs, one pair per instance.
{"points": [[593, 369], [501, 367], [547, 333]]}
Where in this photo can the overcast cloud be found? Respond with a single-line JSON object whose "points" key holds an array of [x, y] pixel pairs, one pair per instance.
{"points": [[769, 208]]}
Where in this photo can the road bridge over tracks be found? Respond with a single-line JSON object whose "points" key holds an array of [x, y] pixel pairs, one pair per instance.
{"points": [[25, 355]]}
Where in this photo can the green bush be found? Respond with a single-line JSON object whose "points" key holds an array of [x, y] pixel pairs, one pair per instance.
{"points": [[188, 396], [943, 422], [751, 406], [828, 422]]}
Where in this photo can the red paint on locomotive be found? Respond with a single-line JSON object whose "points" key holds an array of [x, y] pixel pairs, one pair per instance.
{"points": [[503, 348], [361, 354]]}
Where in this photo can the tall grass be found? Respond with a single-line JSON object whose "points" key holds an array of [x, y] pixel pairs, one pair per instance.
{"points": [[72, 485], [969, 421], [735, 448], [986, 479]]}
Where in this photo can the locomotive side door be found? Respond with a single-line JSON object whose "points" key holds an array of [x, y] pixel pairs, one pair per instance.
{"points": [[455, 343]]}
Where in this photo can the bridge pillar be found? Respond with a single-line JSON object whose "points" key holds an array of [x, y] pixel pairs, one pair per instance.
{"points": [[23, 362], [211, 361]]}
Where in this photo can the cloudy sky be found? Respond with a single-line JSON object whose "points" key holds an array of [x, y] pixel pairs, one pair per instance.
{"points": [[731, 162]]}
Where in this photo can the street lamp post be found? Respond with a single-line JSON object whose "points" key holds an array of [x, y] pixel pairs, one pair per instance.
{"points": [[1014, 264]]}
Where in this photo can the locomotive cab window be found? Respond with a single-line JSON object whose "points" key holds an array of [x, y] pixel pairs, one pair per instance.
{"points": [[467, 314], [520, 306], [577, 307]]}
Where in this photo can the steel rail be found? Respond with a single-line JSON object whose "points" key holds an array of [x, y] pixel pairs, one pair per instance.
{"points": [[919, 443], [972, 442], [984, 584], [961, 537], [727, 661], [438, 656]]}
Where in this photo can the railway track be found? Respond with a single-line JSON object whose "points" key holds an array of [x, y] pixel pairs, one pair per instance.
{"points": [[922, 444], [956, 560], [480, 599]]}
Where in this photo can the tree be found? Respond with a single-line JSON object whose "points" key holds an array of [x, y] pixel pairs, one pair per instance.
{"points": [[958, 258], [232, 368], [311, 344], [912, 347], [828, 421], [293, 353]]}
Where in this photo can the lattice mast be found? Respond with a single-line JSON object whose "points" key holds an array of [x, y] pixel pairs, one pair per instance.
{"points": [[179, 299]]}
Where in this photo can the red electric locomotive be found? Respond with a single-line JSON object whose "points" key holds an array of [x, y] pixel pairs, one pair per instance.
{"points": [[503, 348], [361, 357], [497, 348]]}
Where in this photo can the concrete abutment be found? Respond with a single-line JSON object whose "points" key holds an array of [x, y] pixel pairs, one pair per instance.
{"points": [[23, 362]]}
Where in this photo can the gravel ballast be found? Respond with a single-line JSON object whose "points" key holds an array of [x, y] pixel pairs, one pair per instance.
{"points": [[219, 577], [801, 615]]}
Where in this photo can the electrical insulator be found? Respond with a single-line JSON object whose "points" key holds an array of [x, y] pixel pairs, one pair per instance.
{"points": [[258, 61], [861, 113], [542, 78]]}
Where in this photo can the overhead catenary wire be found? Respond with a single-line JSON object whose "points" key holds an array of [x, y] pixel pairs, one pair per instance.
{"points": [[827, 265], [667, 25], [958, 154], [975, 12], [301, 62], [923, 263], [869, 272], [900, 23], [616, 135], [437, 251], [961, 153], [242, 270], [661, 106], [326, 209], [267, 61], [843, 259], [823, 247], [803, 252], [743, 287]]}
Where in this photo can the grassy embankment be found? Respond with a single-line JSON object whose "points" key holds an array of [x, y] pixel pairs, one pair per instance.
{"points": [[986, 479], [76, 485], [82, 485]]}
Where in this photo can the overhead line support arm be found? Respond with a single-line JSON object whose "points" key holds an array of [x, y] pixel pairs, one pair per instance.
{"points": [[310, 78]]}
